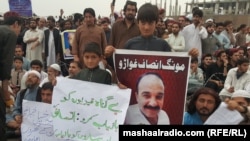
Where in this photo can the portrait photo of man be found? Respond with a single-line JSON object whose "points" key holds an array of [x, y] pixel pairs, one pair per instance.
{"points": [[67, 41], [150, 91]]}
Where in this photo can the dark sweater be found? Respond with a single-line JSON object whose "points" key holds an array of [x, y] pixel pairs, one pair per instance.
{"points": [[8, 40], [151, 43], [94, 75]]}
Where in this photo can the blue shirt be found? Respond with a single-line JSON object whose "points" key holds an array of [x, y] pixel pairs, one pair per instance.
{"points": [[26, 64], [193, 119], [223, 40], [30, 95]]}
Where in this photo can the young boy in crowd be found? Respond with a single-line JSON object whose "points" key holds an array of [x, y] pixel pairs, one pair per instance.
{"points": [[46, 93], [147, 19], [92, 73], [16, 74]]}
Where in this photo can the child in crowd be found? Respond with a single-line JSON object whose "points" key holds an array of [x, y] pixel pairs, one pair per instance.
{"points": [[92, 72], [16, 74]]}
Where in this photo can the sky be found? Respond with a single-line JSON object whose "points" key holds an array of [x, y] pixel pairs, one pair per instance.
{"points": [[101, 7]]}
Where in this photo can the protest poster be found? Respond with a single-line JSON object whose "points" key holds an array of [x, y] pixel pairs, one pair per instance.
{"points": [[173, 67], [22, 7], [37, 122], [88, 111], [224, 116], [67, 37]]}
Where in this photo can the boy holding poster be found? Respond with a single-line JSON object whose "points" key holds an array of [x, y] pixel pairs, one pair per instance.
{"points": [[92, 73], [145, 58], [147, 19]]}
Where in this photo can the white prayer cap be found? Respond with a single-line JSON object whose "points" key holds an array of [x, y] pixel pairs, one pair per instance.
{"points": [[189, 17], [35, 73], [56, 67], [241, 93], [209, 20]]}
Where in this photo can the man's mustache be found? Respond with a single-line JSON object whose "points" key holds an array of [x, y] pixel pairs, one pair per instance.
{"points": [[204, 108], [152, 107]]}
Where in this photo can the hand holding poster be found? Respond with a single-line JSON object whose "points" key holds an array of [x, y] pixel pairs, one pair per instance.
{"points": [[170, 73]]}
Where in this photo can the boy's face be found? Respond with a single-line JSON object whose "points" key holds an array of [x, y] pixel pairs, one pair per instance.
{"points": [[194, 65], [18, 64], [207, 60], [147, 28], [91, 60], [36, 67], [46, 95]]}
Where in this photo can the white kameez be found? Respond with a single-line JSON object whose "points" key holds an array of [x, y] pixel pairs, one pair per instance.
{"points": [[177, 43], [51, 58], [193, 36], [35, 53]]}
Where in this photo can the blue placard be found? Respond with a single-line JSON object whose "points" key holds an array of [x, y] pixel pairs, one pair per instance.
{"points": [[23, 7]]}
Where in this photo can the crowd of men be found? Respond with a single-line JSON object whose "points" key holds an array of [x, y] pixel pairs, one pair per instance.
{"points": [[219, 70]]}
